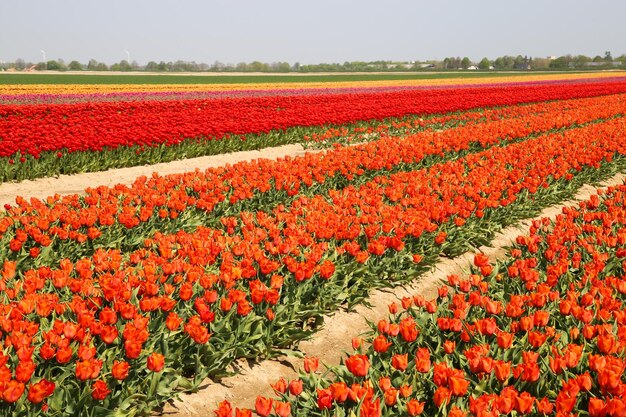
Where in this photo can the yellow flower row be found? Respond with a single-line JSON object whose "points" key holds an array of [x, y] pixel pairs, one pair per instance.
{"points": [[153, 88]]}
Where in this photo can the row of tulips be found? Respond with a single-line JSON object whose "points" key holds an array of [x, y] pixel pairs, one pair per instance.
{"points": [[100, 86], [119, 332], [539, 333], [65, 94], [20, 167], [165, 95], [371, 130], [168, 95], [44, 136], [72, 227]]}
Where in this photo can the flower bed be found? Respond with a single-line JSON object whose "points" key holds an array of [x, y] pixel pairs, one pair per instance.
{"points": [[123, 217], [126, 330], [62, 138], [538, 333]]}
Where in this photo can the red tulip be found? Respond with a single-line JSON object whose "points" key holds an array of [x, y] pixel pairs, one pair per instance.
{"points": [[400, 362], [282, 409], [414, 407], [224, 409], [156, 362], [295, 387], [358, 365], [40, 391], [13, 391], [324, 399], [120, 370], [100, 390], [311, 364], [263, 406]]}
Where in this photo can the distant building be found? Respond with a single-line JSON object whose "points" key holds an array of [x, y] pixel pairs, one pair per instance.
{"points": [[602, 64]]}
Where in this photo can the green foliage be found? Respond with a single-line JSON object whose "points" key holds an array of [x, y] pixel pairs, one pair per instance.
{"points": [[559, 63], [484, 64], [75, 66], [53, 65]]}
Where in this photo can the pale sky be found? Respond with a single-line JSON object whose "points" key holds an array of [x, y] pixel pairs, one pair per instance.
{"points": [[307, 32]]}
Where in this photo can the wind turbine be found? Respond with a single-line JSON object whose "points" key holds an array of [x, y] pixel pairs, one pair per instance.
{"points": [[43, 53], [127, 55]]}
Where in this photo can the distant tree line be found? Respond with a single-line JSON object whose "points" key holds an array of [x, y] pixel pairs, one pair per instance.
{"points": [[502, 63]]}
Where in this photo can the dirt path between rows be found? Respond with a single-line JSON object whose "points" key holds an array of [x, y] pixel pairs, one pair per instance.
{"points": [[336, 335]]}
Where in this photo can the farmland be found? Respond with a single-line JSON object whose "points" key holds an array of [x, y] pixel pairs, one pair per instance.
{"points": [[121, 297], [103, 78]]}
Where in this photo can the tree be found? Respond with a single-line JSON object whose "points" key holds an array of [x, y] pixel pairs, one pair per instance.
{"points": [[484, 64], [218, 66], [75, 66], [607, 57], [123, 65], [518, 61], [257, 66], [94, 65], [559, 63], [465, 63], [504, 62], [53, 65], [178, 66], [20, 64], [152, 66], [452, 62], [541, 63], [284, 67], [580, 61]]}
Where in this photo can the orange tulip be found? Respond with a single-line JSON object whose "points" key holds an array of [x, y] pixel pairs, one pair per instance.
{"points": [[155, 362], [100, 390], [263, 406], [358, 365]]}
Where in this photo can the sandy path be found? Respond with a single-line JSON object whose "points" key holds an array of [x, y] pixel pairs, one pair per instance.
{"points": [[339, 329], [70, 184]]}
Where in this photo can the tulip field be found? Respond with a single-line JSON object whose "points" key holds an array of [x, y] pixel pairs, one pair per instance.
{"points": [[50, 134], [116, 300], [539, 333]]}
